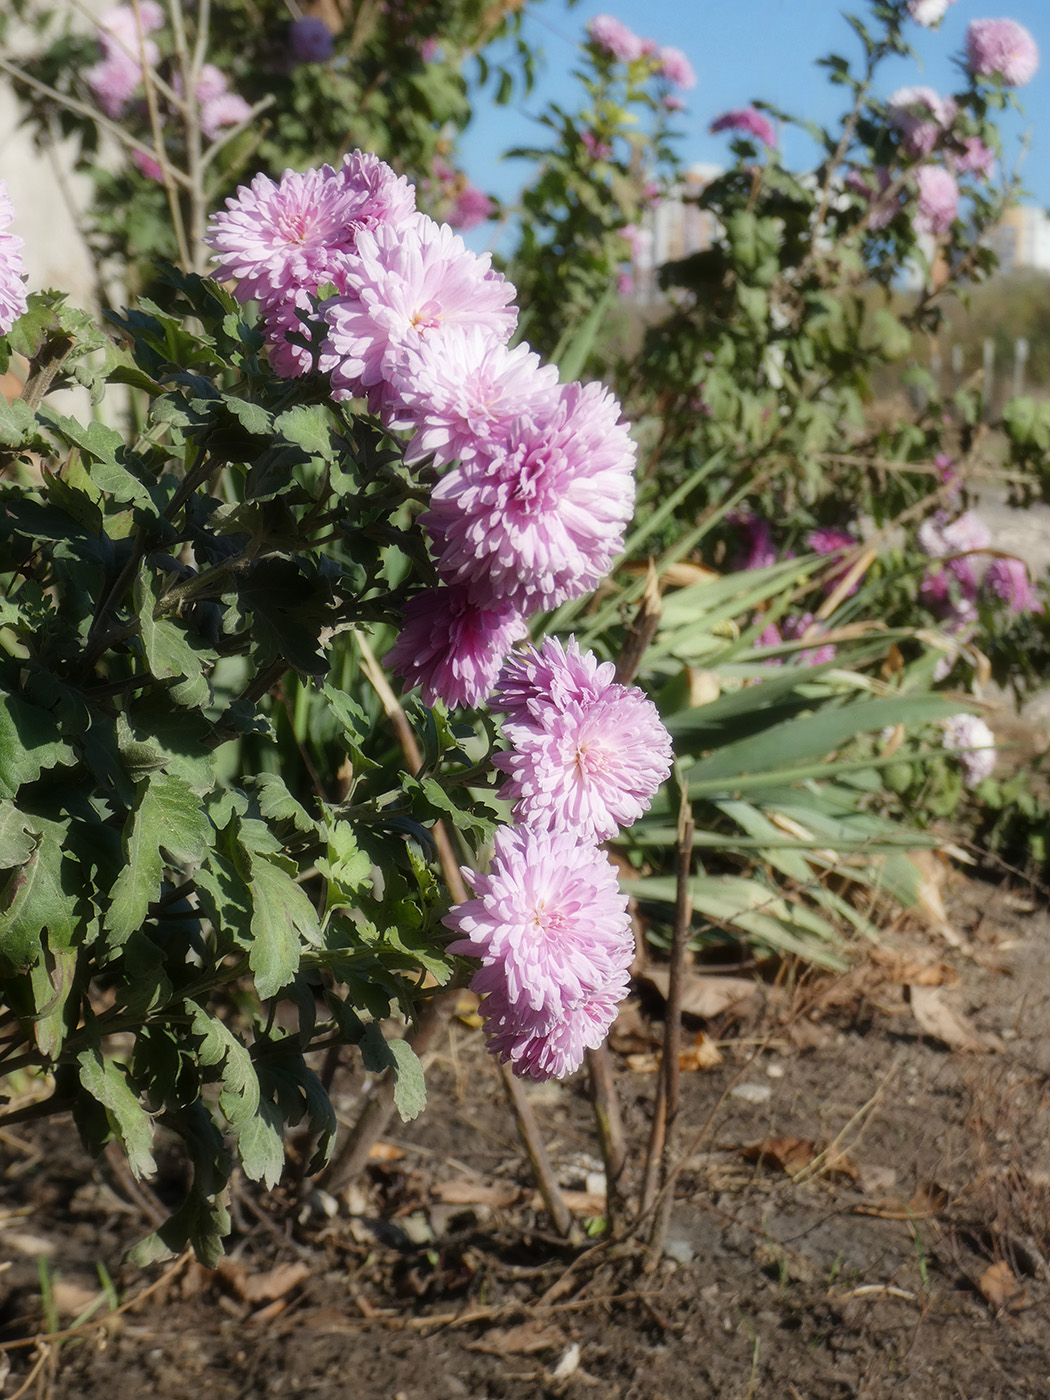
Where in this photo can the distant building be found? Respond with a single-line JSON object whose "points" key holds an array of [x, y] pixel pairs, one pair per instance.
{"points": [[1022, 239], [677, 226]]}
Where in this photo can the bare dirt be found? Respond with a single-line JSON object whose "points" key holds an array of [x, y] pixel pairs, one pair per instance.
{"points": [[864, 1213]]}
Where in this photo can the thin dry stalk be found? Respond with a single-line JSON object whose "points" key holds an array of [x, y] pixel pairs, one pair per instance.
{"points": [[670, 1066], [377, 1112]]}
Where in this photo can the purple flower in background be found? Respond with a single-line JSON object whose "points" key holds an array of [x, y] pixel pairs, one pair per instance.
{"points": [[921, 116], [676, 68], [312, 40], [452, 648], [550, 925], [928, 12], [968, 532], [212, 83], [970, 737], [114, 81], [1008, 579], [539, 516], [589, 766], [830, 541], [757, 549], [147, 166], [673, 103], [795, 628], [882, 211], [228, 109], [748, 120], [1001, 48], [536, 680], [125, 49], [276, 239], [976, 159], [470, 208], [947, 471], [612, 35], [404, 284], [596, 148], [938, 200], [12, 269]]}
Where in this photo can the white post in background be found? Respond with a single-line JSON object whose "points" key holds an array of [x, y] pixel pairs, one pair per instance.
{"points": [[988, 373], [1020, 361]]}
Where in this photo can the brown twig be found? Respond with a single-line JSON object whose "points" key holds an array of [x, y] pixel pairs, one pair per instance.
{"points": [[670, 1066]]}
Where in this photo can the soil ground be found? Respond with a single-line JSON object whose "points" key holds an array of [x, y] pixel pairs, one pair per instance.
{"points": [[864, 1212]]}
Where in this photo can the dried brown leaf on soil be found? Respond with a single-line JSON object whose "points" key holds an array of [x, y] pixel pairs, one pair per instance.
{"points": [[263, 1287], [911, 969], [631, 1033], [704, 996], [998, 1286], [579, 1202], [523, 1340], [385, 1152], [462, 1191], [937, 1018], [794, 1155], [702, 1054], [929, 1200]]}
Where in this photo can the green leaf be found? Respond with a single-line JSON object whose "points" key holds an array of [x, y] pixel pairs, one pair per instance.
{"points": [[30, 743], [169, 652], [17, 424], [282, 920], [18, 840], [260, 1146], [39, 894], [309, 428], [106, 1083], [169, 818], [252, 416], [379, 1054]]}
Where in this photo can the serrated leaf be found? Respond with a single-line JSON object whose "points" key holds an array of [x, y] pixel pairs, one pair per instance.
{"points": [[39, 894], [30, 743], [277, 804], [220, 1048], [169, 652], [282, 919], [106, 1083], [252, 416], [17, 423], [260, 1146], [18, 841], [168, 818], [378, 1054], [309, 428]]}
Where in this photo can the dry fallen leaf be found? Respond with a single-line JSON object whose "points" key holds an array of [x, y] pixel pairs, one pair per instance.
{"points": [[262, 1287], [928, 1200], [578, 1202], [796, 1155], [998, 1285], [523, 1340], [912, 970], [462, 1191], [631, 1033], [384, 1152], [702, 1054], [942, 1021], [704, 996]]}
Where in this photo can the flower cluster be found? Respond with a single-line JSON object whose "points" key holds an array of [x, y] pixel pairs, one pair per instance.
{"points": [[127, 52], [12, 269], [612, 37], [549, 922], [928, 12], [747, 120], [539, 479], [970, 737]]}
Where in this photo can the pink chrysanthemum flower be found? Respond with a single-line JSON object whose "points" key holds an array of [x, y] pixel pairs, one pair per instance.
{"points": [[938, 200], [970, 737], [1008, 579], [590, 768], [539, 1046], [312, 40], [830, 541], [871, 187], [12, 269], [976, 159], [273, 240], [921, 116], [114, 81], [470, 208], [404, 285], [748, 120], [928, 12], [549, 923], [538, 518], [459, 388], [452, 648], [120, 27], [535, 680], [611, 35], [211, 83], [227, 109], [1001, 48], [148, 166], [968, 532], [676, 68]]}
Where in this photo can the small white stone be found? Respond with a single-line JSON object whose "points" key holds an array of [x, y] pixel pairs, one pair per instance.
{"points": [[569, 1362], [680, 1251], [775, 1069], [594, 1183], [752, 1093]]}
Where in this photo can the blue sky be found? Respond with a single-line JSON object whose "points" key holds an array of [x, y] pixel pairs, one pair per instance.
{"points": [[749, 49]]}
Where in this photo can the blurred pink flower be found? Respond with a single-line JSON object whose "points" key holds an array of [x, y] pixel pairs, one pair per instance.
{"points": [[882, 211], [470, 208], [921, 116], [1008, 580], [1001, 48], [748, 120], [148, 166], [596, 149], [312, 40], [970, 737], [938, 200], [976, 159], [228, 109], [676, 68], [612, 35]]}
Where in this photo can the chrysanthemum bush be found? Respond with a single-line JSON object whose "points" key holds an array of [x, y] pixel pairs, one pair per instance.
{"points": [[159, 587]]}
